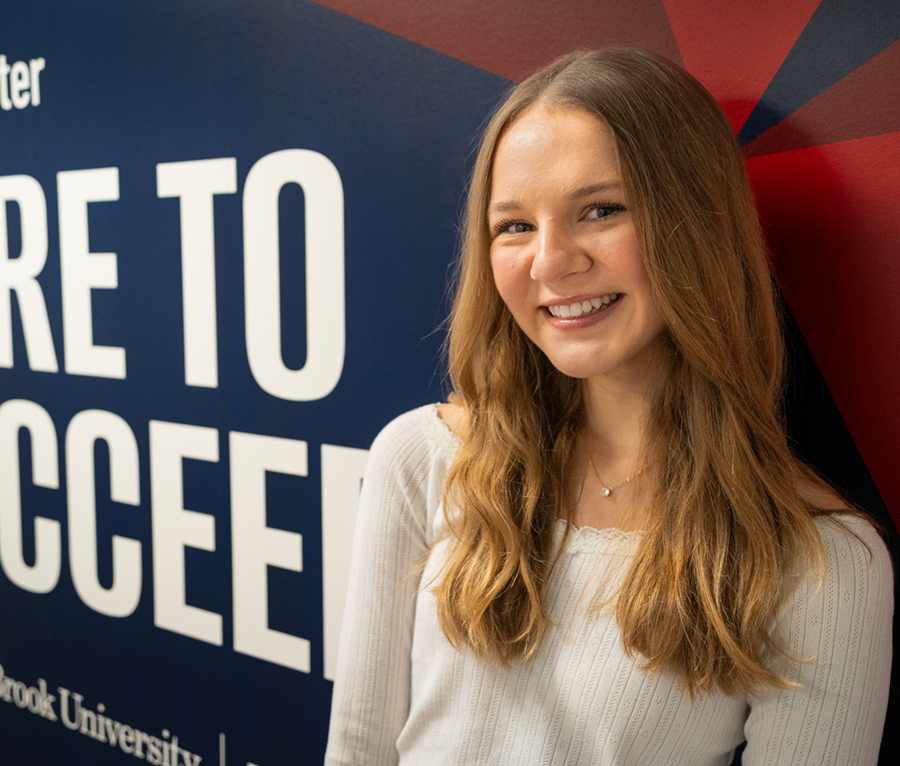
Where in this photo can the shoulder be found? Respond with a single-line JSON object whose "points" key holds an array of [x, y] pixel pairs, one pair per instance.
{"points": [[855, 576], [407, 468], [844, 606], [849, 540], [854, 549], [455, 418], [847, 534], [418, 432]]}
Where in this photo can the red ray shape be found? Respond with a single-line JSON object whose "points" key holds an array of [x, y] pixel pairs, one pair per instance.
{"points": [[864, 103], [735, 48], [831, 214], [515, 39]]}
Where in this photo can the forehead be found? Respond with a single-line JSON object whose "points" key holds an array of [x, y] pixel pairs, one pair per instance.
{"points": [[552, 147]]}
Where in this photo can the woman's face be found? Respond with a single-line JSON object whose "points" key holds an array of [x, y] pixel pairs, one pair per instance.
{"points": [[564, 250]]}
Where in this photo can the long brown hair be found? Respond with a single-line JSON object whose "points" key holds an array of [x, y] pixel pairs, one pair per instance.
{"points": [[729, 524]]}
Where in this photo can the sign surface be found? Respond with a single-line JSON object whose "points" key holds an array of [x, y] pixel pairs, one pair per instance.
{"points": [[225, 240]]}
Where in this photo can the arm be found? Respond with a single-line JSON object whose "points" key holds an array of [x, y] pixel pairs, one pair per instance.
{"points": [[371, 693], [843, 631]]}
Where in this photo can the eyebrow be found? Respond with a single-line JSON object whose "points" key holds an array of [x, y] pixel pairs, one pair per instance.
{"points": [[584, 191], [587, 191]]}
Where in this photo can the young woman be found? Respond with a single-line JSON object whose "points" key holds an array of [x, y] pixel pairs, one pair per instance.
{"points": [[603, 551]]}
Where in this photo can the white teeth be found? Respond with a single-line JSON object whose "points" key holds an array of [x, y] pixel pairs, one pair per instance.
{"points": [[580, 308]]}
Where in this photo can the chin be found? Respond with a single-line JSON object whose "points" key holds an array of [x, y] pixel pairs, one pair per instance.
{"points": [[579, 369], [585, 364]]}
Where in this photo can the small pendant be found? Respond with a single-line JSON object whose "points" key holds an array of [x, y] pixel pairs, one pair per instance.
{"points": [[606, 491]]}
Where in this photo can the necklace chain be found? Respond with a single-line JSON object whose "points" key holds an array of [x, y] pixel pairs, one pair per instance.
{"points": [[604, 489]]}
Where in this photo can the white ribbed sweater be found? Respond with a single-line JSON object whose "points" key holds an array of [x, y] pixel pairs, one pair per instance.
{"points": [[404, 695]]}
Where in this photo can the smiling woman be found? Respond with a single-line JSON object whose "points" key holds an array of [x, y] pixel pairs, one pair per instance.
{"points": [[562, 235], [615, 316]]}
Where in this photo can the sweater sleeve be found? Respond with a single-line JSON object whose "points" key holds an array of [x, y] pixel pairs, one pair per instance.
{"points": [[400, 495], [840, 631]]}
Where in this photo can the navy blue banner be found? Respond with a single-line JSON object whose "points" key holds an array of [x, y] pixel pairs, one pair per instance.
{"points": [[225, 239]]}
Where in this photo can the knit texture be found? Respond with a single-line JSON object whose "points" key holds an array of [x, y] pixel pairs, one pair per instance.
{"points": [[404, 695]]}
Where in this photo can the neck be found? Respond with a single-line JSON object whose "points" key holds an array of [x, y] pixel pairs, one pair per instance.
{"points": [[613, 445], [613, 480], [617, 413]]}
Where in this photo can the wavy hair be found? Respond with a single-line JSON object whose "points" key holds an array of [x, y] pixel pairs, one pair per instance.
{"points": [[731, 527]]}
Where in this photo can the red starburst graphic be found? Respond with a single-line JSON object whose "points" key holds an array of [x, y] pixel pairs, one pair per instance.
{"points": [[812, 89]]}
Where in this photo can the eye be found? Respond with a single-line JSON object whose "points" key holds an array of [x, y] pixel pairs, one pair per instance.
{"points": [[509, 226], [601, 210]]}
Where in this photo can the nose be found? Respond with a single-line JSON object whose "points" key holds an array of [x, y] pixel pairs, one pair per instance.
{"points": [[558, 255]]}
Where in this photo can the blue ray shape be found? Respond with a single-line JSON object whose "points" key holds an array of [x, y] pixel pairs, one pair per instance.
{"points": [[841, 36]]}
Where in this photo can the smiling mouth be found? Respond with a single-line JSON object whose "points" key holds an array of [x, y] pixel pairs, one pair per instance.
{"points": [[583, 308]]}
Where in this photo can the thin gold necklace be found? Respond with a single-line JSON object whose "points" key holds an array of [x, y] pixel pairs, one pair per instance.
{"points": [[604, 489]]}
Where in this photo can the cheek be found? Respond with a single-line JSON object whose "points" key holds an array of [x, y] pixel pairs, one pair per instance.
{"points": [[505, 280], [632, 265]]}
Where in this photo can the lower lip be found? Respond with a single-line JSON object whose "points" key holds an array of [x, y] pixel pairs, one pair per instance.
{"points": [[578, 323]]}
